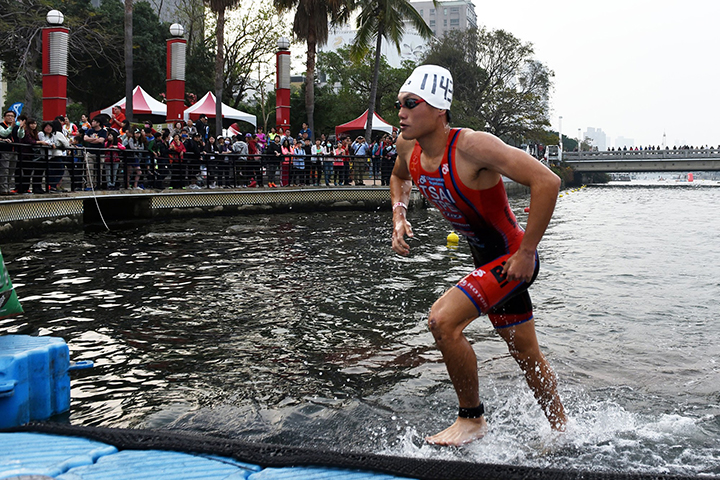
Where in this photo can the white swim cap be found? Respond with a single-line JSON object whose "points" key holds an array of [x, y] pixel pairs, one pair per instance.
{"points": [[432, 83]]}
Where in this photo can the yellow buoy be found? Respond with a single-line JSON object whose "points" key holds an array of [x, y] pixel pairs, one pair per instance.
{"points": [[453, 238]]}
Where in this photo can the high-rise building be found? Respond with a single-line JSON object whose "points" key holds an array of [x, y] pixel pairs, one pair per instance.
{"points": [[412, 45], [172, 11], [621, 142], [447, 16], [597, 138]]}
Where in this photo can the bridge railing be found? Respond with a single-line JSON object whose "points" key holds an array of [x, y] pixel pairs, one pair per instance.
{"points": [[620, 155]]}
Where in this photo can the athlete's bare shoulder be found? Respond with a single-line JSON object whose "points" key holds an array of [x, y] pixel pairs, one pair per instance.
{"points": [[480, 152], [482, 149]]}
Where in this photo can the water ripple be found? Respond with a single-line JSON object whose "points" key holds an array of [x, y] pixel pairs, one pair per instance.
{"points": [[307, 330]]}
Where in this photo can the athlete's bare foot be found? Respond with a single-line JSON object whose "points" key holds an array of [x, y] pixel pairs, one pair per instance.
{"points": [[464, 430]]}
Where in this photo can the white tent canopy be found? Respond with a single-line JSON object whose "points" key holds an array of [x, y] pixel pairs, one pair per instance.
{"points": [[206, 106], [143, 103]]}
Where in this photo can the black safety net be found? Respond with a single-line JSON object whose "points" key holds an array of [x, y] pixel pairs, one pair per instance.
{"points": [[267, 455]]}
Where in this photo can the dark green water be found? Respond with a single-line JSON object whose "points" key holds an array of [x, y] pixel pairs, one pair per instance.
{"points": [[308, 330]]}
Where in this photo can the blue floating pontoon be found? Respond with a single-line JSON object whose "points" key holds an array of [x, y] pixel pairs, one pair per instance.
{"points": [[39, 455]]}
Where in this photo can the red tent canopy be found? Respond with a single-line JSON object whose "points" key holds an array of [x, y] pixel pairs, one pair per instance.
{"points": [[358, 125]]}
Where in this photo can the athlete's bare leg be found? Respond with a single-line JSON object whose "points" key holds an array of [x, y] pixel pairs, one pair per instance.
{"points": [[523, 345], [449, 316]]}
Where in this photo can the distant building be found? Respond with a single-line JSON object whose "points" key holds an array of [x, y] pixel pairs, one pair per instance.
{"points": [[448, 16], [621, 142], [412, 45], [597, 138], [172, 11], [453, 15]]}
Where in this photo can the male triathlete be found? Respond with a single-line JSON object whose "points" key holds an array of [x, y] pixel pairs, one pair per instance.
{"points": [[459, 171]]}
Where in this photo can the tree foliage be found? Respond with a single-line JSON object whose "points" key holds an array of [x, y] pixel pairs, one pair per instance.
{"points": [[250, 44], [95, 57], [378, 20], [96, 65], [219, 7], [352, 79], [499, 86], [310, 24]]}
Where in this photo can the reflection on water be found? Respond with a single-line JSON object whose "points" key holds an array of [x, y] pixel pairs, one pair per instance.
{"points": [[307, 330]]}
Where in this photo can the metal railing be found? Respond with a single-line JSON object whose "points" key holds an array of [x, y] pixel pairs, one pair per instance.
{"points": [[33, 169], [619, 155]]}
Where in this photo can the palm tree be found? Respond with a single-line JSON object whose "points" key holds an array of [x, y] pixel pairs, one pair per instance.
{"points": [[311, 25], [129, 60], [384, 19], [218, 7]]}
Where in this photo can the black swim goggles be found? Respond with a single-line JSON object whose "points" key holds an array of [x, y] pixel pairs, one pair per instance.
{"points": [[410, 103]]}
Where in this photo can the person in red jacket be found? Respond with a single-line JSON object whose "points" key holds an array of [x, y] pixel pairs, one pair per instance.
{"points": [[117, 118], [177, 155]]}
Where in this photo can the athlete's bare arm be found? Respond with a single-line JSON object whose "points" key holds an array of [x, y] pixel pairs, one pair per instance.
{"points": [[400, 187], [487, 151]]}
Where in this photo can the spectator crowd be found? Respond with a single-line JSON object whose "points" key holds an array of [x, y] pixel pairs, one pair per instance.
{"points": [[111, 153]]}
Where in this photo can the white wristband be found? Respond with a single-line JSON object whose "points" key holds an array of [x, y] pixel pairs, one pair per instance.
{"points": [[399, 204]]}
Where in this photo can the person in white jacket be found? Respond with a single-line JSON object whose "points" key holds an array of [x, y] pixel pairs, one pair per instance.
{"points": [[52, 135]]}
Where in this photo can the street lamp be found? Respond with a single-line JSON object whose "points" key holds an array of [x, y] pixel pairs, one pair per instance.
{"points": [[55, 39], [282, 83], [175, 76], [55, 17], [579, 141], [283, 43], [177, 30]]}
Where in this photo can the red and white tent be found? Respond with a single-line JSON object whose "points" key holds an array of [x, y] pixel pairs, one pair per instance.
{"points": [[358, 125], [206, 106], [143, 104]]}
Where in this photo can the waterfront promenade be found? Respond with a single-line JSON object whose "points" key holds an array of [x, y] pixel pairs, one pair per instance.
{"points": [[23, 215]]}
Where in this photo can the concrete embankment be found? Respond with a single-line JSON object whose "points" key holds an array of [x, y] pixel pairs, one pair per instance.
{"points": [[25, 215]]}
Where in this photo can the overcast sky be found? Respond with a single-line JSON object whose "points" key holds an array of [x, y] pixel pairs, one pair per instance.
{"points": [[634, 68]]}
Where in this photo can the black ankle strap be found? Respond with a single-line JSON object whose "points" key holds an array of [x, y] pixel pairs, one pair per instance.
{"points": [[476, 412]]}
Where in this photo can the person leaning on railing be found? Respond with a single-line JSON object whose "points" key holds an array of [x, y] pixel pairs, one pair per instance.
{"points": [[30, 157], [387, 163], [240, 148], [193, 152], [162, 158], [297, 173], [348, 172], [52, 134], [176, 152], [8, 158], [319, 152], [253, 161], [94, 140], [112, 159], [210, 157], [273, 154], [136, 142], [361, 151], [311, 164], [338, 165], [224, 166]]}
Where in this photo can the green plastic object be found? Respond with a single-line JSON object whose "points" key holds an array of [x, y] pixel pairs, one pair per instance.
{"points": [[9, 303]]}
